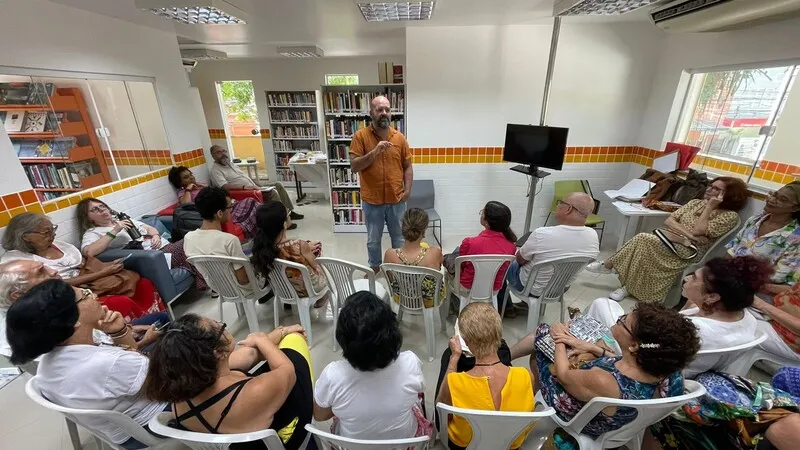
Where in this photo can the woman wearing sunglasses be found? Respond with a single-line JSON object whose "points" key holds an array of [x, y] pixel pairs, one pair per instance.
{"points": [[58, 322], [655, 343], [775, 236], [194, 366], [718, 295], [101, 230]]}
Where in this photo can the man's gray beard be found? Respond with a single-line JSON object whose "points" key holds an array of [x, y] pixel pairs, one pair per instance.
{"points": [[383, 123]]}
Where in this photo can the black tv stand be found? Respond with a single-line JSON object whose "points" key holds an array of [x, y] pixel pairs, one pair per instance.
{"points": [[535, 173]]}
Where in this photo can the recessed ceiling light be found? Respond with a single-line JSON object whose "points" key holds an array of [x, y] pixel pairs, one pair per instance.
{"points": [[396, 11], [198, 54], [301, 52], [598, 7], [194, 12]]}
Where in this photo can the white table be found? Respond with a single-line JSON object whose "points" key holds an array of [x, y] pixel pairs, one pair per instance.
{"points": [[633, 213], [315, 170], [251, 165]]}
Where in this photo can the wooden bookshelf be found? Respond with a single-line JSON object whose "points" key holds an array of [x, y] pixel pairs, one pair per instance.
{"points": [[46, 173], [346, 110], [294, 127]]}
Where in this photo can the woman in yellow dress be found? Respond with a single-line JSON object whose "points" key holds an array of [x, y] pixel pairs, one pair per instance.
{"points": [[647, 268]]}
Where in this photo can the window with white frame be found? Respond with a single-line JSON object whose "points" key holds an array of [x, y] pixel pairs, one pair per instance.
{"points": [[731, 115]]}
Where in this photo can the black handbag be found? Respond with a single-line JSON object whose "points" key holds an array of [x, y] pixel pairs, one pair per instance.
{"points": [[672, 240]]}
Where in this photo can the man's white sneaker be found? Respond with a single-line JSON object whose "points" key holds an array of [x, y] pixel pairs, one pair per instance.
{"points": [[598, 267], [619, 295]]}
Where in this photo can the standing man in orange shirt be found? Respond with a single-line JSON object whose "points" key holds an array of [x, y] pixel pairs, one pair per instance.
{"points": [[381, 157]]}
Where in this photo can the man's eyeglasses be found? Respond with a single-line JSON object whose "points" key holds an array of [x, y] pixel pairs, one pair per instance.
{"points": [[98, 209], [562, 202], [621, 320], [50, 232]]}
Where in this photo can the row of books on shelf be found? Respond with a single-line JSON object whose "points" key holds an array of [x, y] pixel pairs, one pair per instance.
{"points": [[296, 131], [31, 121], [294, 115], [355, 101], [25, 93], [290, 146], [285, 174], [348, 197], [55, 148], [48, 176], [345, 128], [343, 176], [291, 99], [348, 217], [339, 153], [283, 159]]}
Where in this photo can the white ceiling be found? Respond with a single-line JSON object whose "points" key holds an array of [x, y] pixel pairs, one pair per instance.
{"points": [[336, 26]]}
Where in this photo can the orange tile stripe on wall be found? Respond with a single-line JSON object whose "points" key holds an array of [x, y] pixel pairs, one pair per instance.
{"points": [[473, 155], [216, 133], [138, 157], [27, 200], [767, 170]]}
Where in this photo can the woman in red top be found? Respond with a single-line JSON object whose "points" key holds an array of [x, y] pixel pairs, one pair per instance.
{"points": [[497, 238]]}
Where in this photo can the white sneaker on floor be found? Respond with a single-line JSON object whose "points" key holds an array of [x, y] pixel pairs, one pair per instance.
{"points": [[598, 267], [619, 295]]}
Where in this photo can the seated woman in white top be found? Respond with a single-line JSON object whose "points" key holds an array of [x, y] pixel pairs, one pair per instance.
{"points": [[101, 230], [718, 295], [57, 321], [374, 393]]}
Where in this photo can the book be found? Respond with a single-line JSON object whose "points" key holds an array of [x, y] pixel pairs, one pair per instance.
{"points": [[14, 121], [382, 73], [34, 122], [397, 74], [585, 328], [634, 191]]}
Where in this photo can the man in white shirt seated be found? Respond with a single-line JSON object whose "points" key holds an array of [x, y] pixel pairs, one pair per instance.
{"points": [[570, 238], [224, 174], [214, 205], [16, 278]]}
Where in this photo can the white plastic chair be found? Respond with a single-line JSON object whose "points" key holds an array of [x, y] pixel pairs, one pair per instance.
{"points": [[327, 441], [208, 441], [285, 293], [87, 417], [345, 279], [486, 269], [564, 271], [742, 365], [499, 429], [722, 359], [409, 280], [717, 249], [220, 275], [631, 434]]}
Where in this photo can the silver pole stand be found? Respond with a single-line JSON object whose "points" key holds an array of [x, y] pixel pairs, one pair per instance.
{"points": [[551, 62]]}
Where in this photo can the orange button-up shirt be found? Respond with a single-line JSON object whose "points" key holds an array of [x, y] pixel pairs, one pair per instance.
{"points": [[381, 182]]}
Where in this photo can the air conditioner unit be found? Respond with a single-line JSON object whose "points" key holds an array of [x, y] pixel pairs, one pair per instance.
{"points": [[692, 16]]}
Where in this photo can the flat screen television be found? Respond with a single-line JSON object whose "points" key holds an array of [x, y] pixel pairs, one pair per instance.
{"points": [[536, 146]]}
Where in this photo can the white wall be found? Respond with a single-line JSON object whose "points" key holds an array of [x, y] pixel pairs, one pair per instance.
{"points": [[770, 42], [472, 81], [465, 84], [70, 39], [785, 144]]}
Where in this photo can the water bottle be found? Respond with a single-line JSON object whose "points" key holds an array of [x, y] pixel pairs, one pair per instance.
{"points": [[133, 232]]}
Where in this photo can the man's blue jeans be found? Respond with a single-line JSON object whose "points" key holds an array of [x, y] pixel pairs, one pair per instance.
{"points": [[377, 215]]}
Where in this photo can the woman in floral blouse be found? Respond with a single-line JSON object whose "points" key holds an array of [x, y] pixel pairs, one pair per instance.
{"points": [[775, 236]]}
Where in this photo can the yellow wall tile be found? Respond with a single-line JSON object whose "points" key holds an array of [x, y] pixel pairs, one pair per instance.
{"points": [[4, 218], [35, 208], [74, 199], [49, 207], [62, 203], [17, 211]]}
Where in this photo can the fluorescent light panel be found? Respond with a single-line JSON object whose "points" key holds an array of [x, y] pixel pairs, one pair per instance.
{"points": [[301, 52], [194, 15], [396, 11], [605, 7]]}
